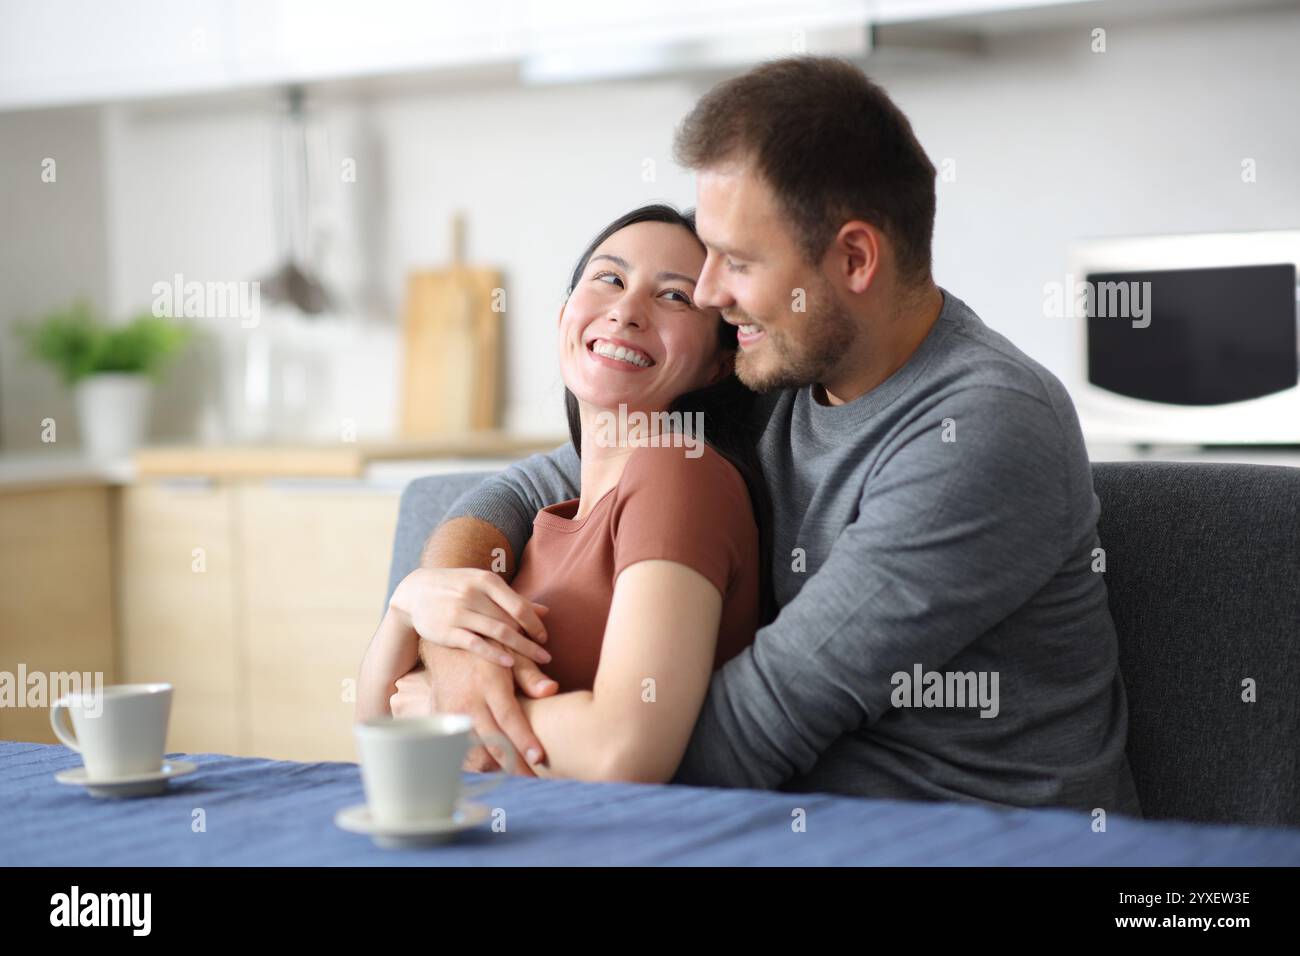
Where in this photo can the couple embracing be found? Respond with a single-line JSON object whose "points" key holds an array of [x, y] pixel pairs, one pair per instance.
{"points": [[883, 487]]}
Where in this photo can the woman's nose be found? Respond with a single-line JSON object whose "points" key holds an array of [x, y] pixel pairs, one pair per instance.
{"points": [[626, 315]]}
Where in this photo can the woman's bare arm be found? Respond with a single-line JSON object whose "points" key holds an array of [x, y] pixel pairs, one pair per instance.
{"points": [[391, 654], [456, 681], [655, 663]]}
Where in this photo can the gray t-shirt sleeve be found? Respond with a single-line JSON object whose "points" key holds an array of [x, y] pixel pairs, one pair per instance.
{"points": [[950, 538], [510, 499]]}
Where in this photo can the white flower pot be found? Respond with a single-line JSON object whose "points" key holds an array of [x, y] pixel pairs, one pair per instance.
{"points": [[113, 411]]}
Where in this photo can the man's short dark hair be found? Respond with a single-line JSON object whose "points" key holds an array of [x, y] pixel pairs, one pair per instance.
{"points": [[831, 144]]}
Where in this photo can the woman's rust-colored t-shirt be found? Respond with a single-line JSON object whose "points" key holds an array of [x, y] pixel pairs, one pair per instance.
{"points": [[695, 511]]}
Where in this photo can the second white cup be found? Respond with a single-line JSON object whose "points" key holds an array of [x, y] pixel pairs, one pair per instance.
{"points": [[411, 766]]}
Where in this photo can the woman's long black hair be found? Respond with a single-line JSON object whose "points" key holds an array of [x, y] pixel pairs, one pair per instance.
{"points": [[726, 406]]}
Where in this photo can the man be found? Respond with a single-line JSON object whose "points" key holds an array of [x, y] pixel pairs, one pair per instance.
{"points": [[943, 633]]}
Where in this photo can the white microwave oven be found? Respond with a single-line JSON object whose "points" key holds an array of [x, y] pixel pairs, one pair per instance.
{"points": [[1187, 339]]}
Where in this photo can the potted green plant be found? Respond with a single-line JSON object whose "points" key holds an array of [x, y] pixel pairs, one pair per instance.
{"points": [[111, 369]]}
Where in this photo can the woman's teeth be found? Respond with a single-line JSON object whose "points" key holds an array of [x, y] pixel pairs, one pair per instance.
{"points": [[621, 354]]}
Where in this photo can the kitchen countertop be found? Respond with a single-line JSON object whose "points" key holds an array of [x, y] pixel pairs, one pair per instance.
{"points": [[22, 470], [327, 460], [393, 463], [384, 463]]}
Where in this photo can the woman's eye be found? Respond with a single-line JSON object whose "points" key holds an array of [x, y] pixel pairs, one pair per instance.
{"points": [[682, 297], [601, 276]]}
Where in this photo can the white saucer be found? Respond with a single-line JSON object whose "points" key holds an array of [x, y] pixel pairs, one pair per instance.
{"points": [[357, 819], [133, 785]]}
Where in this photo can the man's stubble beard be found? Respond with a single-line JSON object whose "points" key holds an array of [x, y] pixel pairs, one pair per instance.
{"points": [[805, 352]]}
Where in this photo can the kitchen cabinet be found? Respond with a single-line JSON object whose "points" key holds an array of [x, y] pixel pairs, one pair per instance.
{"points": [[257, 601], [179, 552], [56, 596], [311, 585], [86, 51], [250, 578]]}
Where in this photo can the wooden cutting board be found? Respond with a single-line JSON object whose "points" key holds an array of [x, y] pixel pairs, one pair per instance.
{"points": [[452, 345]]}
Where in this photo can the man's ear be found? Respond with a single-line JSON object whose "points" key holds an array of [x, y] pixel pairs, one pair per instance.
{"points": [[856, 254]]}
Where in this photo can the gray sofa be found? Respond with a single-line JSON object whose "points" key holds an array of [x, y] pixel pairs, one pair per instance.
{"points": [[1203, 570]]}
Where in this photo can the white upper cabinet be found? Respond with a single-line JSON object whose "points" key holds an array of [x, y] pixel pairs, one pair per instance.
{"points": [[56, 52]]}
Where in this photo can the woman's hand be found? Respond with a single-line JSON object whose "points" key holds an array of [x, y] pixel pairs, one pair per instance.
{"points": [[413, 697], [474, 610]]}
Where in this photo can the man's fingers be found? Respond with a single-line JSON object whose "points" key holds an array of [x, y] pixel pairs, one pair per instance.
{"points": [[510, 716], [531, 680], [480, 758], [485, 725]]}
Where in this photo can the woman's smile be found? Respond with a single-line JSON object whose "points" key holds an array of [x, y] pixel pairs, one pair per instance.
{"points": [[617, 354], [628, 310]]}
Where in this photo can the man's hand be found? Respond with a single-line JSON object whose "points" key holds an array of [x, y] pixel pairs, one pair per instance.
{"points": [[459, 682]]}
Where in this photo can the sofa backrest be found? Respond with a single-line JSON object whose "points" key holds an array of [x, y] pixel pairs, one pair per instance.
{"points": [[424, 502], [1203, 572]]}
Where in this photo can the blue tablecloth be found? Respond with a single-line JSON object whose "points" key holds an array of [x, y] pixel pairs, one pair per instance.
{"points": [[280, 813]]}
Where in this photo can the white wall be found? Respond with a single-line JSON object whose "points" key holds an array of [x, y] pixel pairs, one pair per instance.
{"points": [[1051, 142], [539, 172], [53, 250]]}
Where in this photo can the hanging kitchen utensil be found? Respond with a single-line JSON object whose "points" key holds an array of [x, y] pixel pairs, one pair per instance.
{"points": [[295, 281]]}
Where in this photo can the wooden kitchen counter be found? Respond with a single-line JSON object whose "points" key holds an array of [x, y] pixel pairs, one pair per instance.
{"points": [[327, 460], [251, 578]]}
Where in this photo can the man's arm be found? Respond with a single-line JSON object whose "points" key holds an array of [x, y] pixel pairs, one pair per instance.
{"points": [[507, 502], [950, 538], [496, 517], [498, 514]]}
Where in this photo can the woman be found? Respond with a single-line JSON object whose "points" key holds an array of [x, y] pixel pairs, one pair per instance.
{"points": [[655, 575]]}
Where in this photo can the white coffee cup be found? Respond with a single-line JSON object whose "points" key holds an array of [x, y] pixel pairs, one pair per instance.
{"points": [[411, 766], [121, 730]]}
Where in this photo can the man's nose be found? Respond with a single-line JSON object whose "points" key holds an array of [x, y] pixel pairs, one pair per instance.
{"points": [[709, 293]]}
